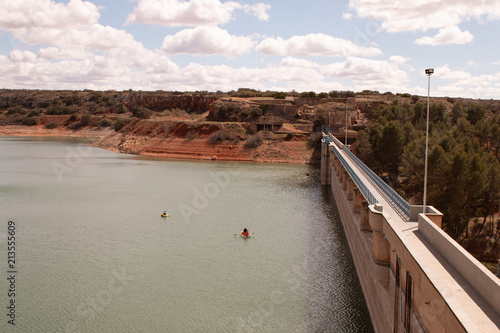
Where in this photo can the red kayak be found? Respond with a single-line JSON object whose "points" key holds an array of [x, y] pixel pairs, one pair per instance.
{"points": [[245, 235]]}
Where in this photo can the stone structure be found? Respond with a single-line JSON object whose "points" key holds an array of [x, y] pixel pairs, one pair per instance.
{"points": [[415, 278]]}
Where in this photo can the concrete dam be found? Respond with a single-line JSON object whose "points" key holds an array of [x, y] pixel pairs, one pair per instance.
{"points": [[415, 277]]}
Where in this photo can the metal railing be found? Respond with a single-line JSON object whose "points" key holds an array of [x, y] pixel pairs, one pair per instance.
{"points": [[401, 206], [365, 192]]}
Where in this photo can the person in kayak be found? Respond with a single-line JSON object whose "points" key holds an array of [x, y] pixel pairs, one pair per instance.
{"points": [[245, 232]]}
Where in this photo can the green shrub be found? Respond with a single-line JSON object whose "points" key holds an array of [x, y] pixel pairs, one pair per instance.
{"points": [[30, 121], [86, 120], [16, 109], [254, 141], [122, 108], [142, 112], [120, 122], [218, 137], [105, 122], [51, 125]]}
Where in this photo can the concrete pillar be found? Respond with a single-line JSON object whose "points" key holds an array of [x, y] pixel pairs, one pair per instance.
{"points": [[356, 202], [350, 189], [344, 180], [381, 248], [365, 216]]}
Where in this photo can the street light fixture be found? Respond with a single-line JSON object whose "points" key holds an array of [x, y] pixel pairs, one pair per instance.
{"points": [[428, 72]]}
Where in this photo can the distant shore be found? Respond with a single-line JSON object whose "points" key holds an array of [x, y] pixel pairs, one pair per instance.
{"points": [[294, 152], [19, 130]]}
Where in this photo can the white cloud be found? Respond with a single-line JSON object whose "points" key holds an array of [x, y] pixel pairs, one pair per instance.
{"points": [[367, 71], [296, 62], [410, 15], [314, 45], [22, 56], [347, 16], [399, 60], [472, 63], [176, 13], [448, 74], [206, 40], [68, 26], [259, 10], [54, 53], [23, 14], [447, 35]]}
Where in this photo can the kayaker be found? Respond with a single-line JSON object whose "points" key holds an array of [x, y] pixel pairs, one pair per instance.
{"points": [[245, 232]]}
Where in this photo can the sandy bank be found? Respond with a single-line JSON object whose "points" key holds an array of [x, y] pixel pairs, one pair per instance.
{"points": [[86, 132], [297, 152]]}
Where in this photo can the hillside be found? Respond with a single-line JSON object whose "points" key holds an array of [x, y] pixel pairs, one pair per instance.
{"points": [[201, 125]]}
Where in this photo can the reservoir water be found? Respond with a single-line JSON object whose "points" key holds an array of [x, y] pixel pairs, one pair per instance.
{"points": [[93, 254]]}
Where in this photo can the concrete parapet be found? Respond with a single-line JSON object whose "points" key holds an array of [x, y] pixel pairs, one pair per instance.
{"points": [[484, 282], [432, 213]]}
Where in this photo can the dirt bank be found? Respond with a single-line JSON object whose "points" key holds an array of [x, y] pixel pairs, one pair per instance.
{"points": [[86, 132], [178, 140], [199, 149], [207, 141]]}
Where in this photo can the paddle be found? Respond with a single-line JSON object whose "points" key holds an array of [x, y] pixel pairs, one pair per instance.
{"points": [[251, 234]]}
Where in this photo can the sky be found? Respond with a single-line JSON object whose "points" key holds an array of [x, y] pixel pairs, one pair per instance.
{"points": [[279, 45]]}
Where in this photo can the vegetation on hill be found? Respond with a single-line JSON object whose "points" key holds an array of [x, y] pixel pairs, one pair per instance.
{"points": [[463, 164]]}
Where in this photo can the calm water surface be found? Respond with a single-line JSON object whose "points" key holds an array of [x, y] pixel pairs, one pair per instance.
{"points": [[93, 253]]}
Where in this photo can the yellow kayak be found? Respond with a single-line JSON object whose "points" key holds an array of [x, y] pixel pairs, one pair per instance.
{"points": [[165, 215]]}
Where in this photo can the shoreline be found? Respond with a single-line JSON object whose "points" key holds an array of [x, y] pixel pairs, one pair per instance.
{"points": [[291, 152]]}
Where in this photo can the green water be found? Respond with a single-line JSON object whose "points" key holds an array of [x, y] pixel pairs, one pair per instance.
{"points": [[93, 253]]}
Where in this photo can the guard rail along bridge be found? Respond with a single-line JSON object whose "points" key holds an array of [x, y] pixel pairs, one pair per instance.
{"points": [[415, 277]]}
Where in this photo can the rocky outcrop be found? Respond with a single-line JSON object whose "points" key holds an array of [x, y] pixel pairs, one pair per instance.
{"points": [[191, 140], [189, 103]]}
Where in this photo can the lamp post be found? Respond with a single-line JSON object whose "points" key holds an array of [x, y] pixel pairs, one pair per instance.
{"points": [[428, 72], [346, 121]]}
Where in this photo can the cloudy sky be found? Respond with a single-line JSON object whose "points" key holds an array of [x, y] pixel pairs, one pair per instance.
{"points": [[314, 45]]}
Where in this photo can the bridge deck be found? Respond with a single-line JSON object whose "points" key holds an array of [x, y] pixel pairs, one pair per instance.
{"points": [[475, 314]]}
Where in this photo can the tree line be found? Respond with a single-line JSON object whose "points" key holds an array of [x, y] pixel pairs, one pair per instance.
{"points": [[463, 164]]}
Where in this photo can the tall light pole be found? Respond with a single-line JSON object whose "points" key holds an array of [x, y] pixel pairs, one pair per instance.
{"points": [[346, 121], [428, 72]]}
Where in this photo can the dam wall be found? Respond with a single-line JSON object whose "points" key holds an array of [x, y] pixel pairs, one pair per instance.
{"points": [[414, 277]]}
